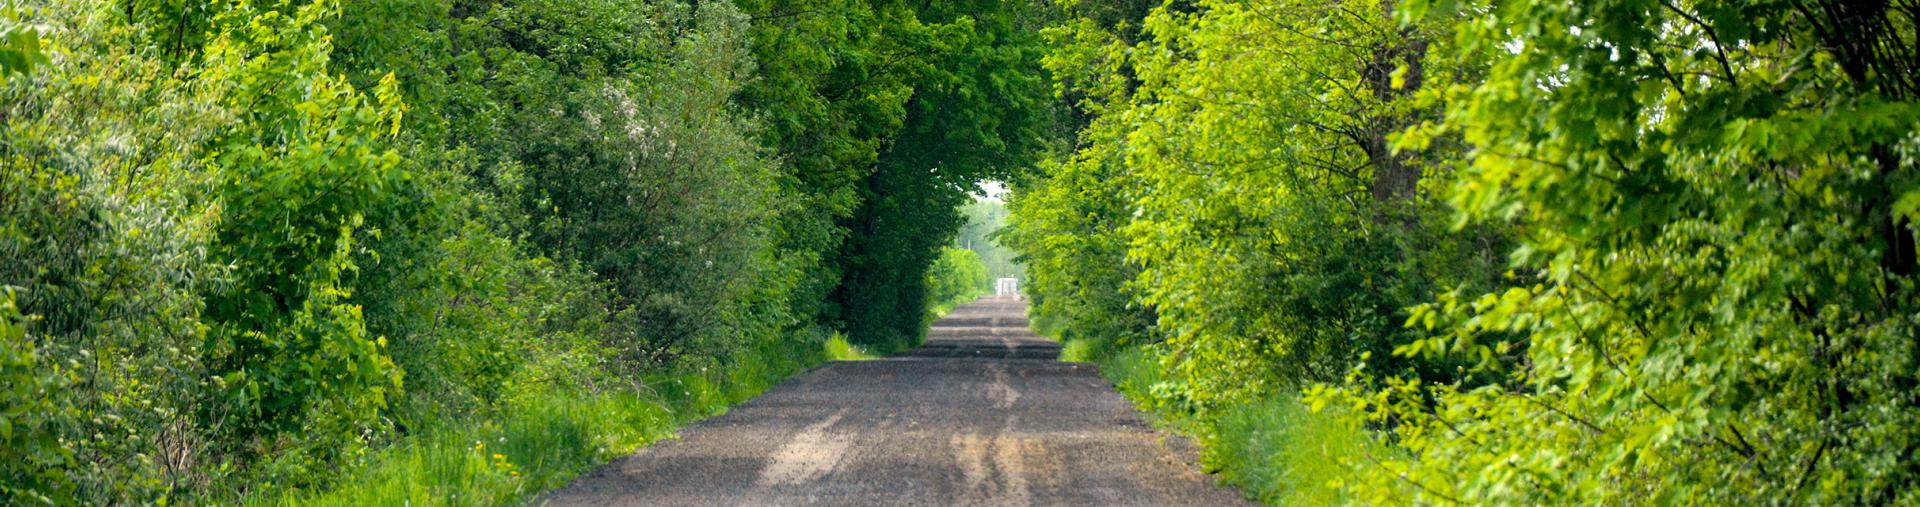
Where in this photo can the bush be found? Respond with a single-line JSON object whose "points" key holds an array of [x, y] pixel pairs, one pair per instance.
{"points": [[184, 231], [1066, 225], [958, 277], [297, 178]]}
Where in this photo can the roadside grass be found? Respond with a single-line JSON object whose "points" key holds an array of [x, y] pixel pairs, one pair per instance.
{"points": [[1276, 451], [838, 349], [499, 461], [545, 439], [937, 310], [1280, 452], [1046, 325], [1078, 351]]}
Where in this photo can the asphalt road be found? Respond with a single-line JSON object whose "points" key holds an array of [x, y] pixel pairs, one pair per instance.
{"points": [[980, 415]]}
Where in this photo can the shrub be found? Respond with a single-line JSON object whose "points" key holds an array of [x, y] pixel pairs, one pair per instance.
{"points": [[956, 278], [298, 175]]}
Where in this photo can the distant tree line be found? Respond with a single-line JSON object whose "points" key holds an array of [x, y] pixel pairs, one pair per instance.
{"points": [[985, 219]]}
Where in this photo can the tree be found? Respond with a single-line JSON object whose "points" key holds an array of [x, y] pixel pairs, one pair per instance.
{"points": [[1267, 227], [1711, 199], [978, 113]]}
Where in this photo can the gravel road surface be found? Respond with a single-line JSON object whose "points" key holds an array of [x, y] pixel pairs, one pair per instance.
{"points": [[980, 415]]}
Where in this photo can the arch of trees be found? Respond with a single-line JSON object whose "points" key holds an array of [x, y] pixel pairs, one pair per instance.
{"points": [[1371, 251]]}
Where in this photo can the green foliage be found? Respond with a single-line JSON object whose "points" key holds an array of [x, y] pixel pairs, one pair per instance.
{"points": [[977, 113], [958, 277], [1706, 208], [1281, 452], [838, 349], [1136, 372], [1081, 351], [1277, 450], [1281, 237], [610, 134], [1256, 223], [298, 175], [180, 231], [239, 271], [545, 438], [1066, 227], [833, 79], [1720, 293], [20, 48], [498, 462], [985, 219]]}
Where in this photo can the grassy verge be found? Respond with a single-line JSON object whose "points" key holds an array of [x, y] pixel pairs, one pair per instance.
{"points": [[1275, 450], [500, 461], [839, 350], [547, 439]]}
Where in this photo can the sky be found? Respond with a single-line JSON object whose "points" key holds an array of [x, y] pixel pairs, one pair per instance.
{"points": [[991, 190]]}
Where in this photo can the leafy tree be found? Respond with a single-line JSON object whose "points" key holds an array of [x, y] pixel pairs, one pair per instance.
{"points": [[20, 48], [612, 134], [833, 79], [956, 278], [31, 412], [984, 219], [178, 231], [1258, 220], [977, 114], [298, 175], [1068, 228], [1710, 199]]}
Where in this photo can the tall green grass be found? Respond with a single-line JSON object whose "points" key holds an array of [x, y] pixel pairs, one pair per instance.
{"points": [[1079, 351], [499, 461], [1282, 453], [838, 349], [1275, 450], [546, 439]]}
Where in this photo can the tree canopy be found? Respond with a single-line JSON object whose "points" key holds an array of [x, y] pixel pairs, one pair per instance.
{"points": [[1472, 251]]}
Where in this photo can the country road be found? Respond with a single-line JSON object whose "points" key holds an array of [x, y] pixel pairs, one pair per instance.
{"points": [[980, 415]]}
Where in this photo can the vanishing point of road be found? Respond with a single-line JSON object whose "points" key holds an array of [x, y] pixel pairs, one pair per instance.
{"points": [[981, 415]]}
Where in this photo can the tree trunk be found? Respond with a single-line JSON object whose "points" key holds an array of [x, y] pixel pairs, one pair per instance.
{"points": [[1395, 176]]}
